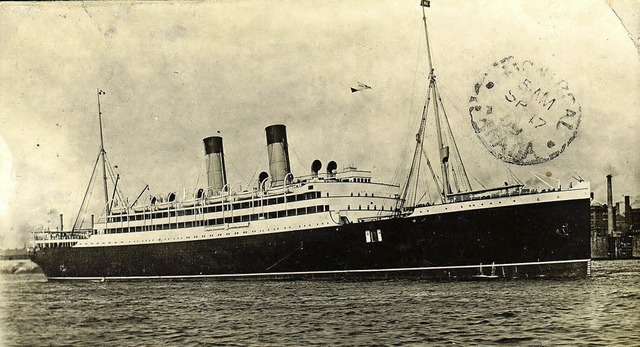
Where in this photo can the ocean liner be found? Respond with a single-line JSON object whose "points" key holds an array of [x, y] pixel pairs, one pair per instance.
{"points": [[329, 224]]}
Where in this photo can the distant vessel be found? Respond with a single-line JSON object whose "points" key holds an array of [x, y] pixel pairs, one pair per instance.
{"points": [[332, 224]]}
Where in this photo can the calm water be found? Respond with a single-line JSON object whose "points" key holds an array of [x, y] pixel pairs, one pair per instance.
{"points": [[601, 310]]}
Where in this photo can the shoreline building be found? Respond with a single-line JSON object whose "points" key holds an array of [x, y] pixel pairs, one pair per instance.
{"points": [[615, 232]]}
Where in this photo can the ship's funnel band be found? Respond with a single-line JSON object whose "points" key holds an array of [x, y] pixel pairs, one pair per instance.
{"points": [[276, 133], [216, 172], [213, 144], [278, 152]]}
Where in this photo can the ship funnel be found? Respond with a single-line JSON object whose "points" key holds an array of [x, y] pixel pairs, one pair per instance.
{"points": [[278, 153], [216, 172], [315, 167], [331, 169], [610, 213]]}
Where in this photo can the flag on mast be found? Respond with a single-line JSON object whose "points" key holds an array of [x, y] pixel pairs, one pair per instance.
{"points": [[425, 3]]}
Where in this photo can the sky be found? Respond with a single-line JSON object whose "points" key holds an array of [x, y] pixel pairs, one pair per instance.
{"points": [[177, 72]]}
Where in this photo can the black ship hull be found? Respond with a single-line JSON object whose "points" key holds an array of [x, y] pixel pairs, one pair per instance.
{"points": [[536, 240]]}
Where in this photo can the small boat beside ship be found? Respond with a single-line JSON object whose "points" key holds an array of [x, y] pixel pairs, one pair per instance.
{"points": [[333, 223]]}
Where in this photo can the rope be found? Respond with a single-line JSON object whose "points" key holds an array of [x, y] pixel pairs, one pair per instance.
{"points": [[84, 199], [297, 157], [455, 144], [255, 170], [235, 168]]}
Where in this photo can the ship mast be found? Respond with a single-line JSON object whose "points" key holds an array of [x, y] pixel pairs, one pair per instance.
{"points": [[410, 191], [442, 148], [102, 155]]}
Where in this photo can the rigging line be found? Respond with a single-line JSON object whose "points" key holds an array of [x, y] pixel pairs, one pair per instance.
{"points": [[411, 120], [512, 174], [564, 165], [85, 193], [115, 190], [446, 93], [235, 168], [420, 136], [255, 170], [126, 186], [200, 171], [422, 197], [113, 179], [93, 123], [415, 194], [84, 214], [455, 179], [112, 175], [433, 174], [419, 146], [285, 257], [480, 183], [83, 210], [441, 140], [426, 34], [407, 187], [196, 171], [102, 150], [428, 191], [559, 164], [578, 177], [298, 157], [458, 160], [417, 158], [455, 144]]}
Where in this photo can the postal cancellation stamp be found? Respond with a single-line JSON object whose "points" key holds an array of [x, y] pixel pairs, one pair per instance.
{"points": [[522, 114]]}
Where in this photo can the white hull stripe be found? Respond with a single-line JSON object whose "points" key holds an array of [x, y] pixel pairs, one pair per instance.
{"points": [[297, 273]]}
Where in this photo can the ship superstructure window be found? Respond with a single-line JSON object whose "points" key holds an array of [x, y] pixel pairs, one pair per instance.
{"points": [[190, 211], [221, 221]]}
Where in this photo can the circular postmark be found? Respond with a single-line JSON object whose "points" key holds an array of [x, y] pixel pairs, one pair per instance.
{"points": [[522, 114]]}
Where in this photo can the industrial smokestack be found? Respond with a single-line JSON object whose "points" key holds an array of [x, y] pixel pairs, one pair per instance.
{"points": [[610, 215], [216, 172], [278, 151], [61, 222], [627, 212]]}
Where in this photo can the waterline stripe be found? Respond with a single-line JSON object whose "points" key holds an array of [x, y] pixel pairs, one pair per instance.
{"points": [[325, 272]]}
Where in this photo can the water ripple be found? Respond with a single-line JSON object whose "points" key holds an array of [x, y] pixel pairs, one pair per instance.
{"points": [[601, 310]]}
